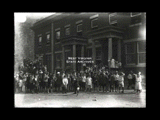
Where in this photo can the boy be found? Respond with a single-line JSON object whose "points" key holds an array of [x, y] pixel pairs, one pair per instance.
{"points": [[116, 81], [121, 82]]}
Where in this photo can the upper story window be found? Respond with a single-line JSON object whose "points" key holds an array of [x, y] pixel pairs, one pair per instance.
{"points": [[58, 34], [48, 38], [79, 27], [39, 40], [136, 19], [94, 21], [113, 19], [67, 31]]}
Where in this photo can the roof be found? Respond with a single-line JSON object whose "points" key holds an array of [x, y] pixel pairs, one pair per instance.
{"points": [[49, 19]]}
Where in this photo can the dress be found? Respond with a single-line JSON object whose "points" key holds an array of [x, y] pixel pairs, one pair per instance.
{"points": [[138, 85]]}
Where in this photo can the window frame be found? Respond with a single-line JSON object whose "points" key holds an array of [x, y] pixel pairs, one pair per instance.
{"points": [[66, 28], [113, 22], [48, 41], [77, 27], [136, 24], [138, 53], [134, 53], [93, 19], [58, 60], [58, 37], [39, 43]]}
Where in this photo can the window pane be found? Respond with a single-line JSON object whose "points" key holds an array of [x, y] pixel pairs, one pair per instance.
{"points": [[79, 28], [135, 20], [58, 35], [98, 53], [142, 57], [58, 57], [89, 51], [67, 31], [40, 40], [48, 38], [130, 47], [58, 64], [130, 58], [141, 47], [113, 19], [94, 23]]}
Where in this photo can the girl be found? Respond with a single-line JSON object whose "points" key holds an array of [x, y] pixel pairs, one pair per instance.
{"points": [[138, 85], [121, 82]]}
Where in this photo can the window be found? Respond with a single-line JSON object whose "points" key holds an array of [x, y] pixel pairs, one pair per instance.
{"points": [[113, 19], [58, 60], [79, 28], [48, 38], [141, 52], [94, 23], [57, 35], [40, 40], [89, 52], [130, 53], [136, 19], [98, 53], [67, 31], [136, 52]]}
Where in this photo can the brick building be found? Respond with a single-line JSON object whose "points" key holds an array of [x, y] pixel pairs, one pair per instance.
{"points": [[101, 36]]}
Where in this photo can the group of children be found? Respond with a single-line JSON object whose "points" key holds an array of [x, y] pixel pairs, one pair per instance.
{"points": [[44, 81]]}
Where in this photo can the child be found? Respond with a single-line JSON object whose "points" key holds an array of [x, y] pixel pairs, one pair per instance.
{"points": [[89, 82], [138, 85], [65, 83], [121, 82], [112, 79], [116, 76]]}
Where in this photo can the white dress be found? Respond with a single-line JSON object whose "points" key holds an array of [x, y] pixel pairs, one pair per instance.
{"points": [[138, 85]]}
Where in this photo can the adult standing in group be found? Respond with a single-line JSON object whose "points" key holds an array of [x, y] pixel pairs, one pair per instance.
{"points": [[138, 85]]}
